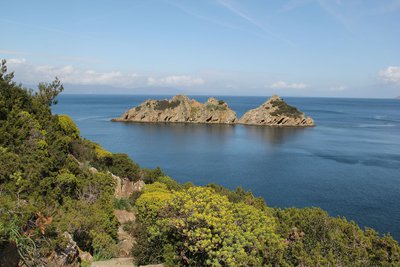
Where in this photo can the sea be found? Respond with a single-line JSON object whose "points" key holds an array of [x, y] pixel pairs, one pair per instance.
{"points": [[349, 164]]}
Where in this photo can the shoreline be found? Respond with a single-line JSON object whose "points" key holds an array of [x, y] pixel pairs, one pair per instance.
{"points": [[213, 123]]}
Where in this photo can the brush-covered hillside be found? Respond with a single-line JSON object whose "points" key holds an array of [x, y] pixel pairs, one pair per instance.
{"points": [[58, 201]]}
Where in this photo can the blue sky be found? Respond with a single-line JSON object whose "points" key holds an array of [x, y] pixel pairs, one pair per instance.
{"points": [[348, 48]]}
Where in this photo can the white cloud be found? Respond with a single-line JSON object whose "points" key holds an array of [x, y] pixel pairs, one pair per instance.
{"points": [[391, 75], [338, 88], [285, 85], [175, 80], [31, 73], [16, 61]]}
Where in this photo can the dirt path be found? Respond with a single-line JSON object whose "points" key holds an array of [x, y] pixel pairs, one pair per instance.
{"points": [[126, 241], [119, 262], [125, 244]]}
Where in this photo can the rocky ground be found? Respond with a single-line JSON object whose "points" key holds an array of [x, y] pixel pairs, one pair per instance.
{"points": [[120, 262], [126, 241], [124, 188], [181, 109]]}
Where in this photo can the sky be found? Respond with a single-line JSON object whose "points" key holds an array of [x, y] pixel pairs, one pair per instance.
{"points": [[327, 48]]}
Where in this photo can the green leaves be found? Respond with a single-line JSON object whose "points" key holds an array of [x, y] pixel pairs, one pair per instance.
{"points": [[196, 226], [66, 182], [206, 229], [315, 238], [68, 126], [47, 92], [40, 175]]}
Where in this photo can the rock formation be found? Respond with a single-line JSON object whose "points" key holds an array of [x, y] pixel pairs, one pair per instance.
{"points": [[124, 187], [125, 240], [181, 109], [68, 256], [276, 112]]}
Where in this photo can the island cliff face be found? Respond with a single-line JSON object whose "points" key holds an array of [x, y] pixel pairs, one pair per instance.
{"points": [[181, 109], [276, 112]]}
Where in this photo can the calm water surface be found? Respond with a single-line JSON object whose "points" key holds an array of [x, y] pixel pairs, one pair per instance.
{"points": [[348, 165]]}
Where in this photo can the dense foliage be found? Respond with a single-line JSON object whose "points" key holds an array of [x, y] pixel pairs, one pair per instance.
{"points": [[213, 226], [48, 187]]}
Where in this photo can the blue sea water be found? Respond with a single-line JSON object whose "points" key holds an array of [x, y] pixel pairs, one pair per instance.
{"points": [[349, 164]]}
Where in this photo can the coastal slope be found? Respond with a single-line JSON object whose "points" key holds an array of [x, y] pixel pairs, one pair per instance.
{"points": [[66, 201], [276, 112], [180, 109]]}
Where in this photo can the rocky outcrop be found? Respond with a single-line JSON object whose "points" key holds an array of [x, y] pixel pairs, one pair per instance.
{"points": [[126, 241], [124, 216], [125, 187], [276, 112], [85, 256], [67, 256], [180, 109]]}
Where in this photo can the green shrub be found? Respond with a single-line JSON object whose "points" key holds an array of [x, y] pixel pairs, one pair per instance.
{"points": [[215, 107], [209, 230], [284, 109], [149, 176], [148, 204], [239, 195], [121, 165], [165, 104], [68, 126], [10, 164], [122, 204], [104, 247], [147, 250], [101, 153], [82, 150], [66, 181], [169, 182], [134, 196]]}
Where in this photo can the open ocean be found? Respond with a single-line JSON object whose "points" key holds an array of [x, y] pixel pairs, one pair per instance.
{"points": [[349, 164]]}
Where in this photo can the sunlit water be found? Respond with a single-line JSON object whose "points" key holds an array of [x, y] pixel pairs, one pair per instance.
{"points": [[348, 165]]}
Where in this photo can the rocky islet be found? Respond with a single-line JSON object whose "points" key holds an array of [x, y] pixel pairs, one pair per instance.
{"points": [[181, 109]]}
